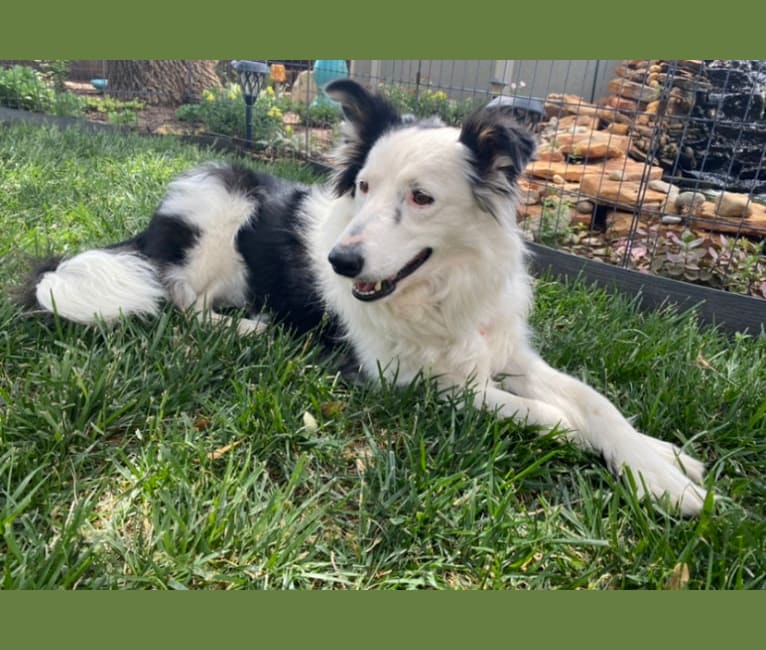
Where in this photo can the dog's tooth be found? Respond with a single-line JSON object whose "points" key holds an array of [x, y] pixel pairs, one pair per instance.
{"points": [[378, 285]]}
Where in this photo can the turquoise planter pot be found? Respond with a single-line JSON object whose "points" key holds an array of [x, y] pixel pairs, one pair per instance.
{"points": [[99, 84], [325, 71]]}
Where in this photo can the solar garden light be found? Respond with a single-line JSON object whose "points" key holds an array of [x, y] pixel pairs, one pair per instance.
{"points": [[251, 75]]}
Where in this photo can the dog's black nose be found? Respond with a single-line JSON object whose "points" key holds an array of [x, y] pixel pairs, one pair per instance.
{"points": [[346, 260]]}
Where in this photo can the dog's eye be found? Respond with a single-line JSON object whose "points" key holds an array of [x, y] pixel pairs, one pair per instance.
{"points": [[363, 187], [421, 198]]}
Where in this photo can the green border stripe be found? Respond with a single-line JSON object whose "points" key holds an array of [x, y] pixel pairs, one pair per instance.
{"points": [[393, 29], [424, 619]]}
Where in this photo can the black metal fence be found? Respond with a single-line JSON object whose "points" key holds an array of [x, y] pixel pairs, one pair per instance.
{"points": [[654, 165]]}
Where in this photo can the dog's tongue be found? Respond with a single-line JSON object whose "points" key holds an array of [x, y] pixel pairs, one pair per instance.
{"points": [[364, 287], [369, 291]]}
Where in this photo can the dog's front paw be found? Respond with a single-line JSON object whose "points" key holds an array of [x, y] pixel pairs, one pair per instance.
{"points": [[246, 326], [662, 469]]}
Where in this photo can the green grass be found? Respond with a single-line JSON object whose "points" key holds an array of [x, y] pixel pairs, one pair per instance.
{"points": [[171, 454]]}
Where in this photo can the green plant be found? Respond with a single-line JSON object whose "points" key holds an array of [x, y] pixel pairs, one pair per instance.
{"points": [[67, 105], [734, 264], [55, 71], [740, 265], [222, 112], [555, 221], [319, 116], [122, 118], [425, 102], [108, 104], [24, 88]]}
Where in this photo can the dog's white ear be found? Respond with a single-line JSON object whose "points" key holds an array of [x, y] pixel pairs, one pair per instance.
{"points": [[500, 149], [368, 116]]}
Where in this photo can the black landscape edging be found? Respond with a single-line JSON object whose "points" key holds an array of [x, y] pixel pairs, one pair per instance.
{"points": [[17, 115], [730, 312], [218, 142]]}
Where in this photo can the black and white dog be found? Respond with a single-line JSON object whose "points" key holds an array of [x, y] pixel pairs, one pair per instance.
{"points": [[412, 252]]}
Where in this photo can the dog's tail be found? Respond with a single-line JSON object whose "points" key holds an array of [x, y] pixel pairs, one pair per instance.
{"points": [[101, 284]]}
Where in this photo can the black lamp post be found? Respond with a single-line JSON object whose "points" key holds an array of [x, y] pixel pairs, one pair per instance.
{"points": [[251, 75]]}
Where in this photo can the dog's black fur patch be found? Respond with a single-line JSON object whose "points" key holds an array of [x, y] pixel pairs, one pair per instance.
{"points": [[166, 240], [238, 179], [25, 295], [273, 247]]}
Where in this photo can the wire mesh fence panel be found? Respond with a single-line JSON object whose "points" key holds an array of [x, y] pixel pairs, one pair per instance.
{"points": [[664, 172], [653, 165]]}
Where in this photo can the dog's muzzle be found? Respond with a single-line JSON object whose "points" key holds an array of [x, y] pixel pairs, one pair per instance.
{"points": [[349, 262]]}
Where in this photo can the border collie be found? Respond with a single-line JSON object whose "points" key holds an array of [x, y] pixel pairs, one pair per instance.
{"points": [[411, 253]]}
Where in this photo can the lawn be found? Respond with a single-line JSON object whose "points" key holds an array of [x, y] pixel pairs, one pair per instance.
{"points": [[171, 454]]}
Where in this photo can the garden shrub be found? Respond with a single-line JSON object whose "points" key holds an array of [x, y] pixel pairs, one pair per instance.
{"points": [[222, 111], [24, 88], [320, 116], [426, 102]]}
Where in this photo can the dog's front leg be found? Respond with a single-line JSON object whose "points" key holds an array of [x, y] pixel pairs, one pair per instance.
{"points": [[658, 467], [245, 326], [532, 411]]}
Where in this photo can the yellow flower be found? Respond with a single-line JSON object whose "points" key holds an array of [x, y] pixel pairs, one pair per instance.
{"points": [[269, 91], [288, 130], [440, 95], [208, 95], [275, 113]]}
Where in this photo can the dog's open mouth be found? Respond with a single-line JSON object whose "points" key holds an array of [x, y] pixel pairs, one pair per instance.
{"points": [[369, 291]]}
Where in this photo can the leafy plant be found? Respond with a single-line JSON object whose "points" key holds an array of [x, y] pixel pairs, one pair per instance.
{"points": [[67, 105], [320, 116], [122, 118], [740, 265], [425, 102], [108, 104], [25, 88], [55, 71], [734, 264], [555, 221], [222, 112]]}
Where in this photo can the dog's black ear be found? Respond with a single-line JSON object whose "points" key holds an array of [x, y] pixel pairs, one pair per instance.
{"points": [[361, 108], [368, 116], [500, 148]]}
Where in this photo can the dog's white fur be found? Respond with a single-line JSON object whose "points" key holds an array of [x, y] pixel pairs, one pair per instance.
{"points": [[461, 317]]}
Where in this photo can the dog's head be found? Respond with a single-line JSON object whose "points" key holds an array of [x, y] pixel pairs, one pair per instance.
{"points": [[423, 192]]}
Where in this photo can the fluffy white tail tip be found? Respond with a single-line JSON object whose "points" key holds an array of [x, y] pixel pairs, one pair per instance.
{"points": [[101, 284]]}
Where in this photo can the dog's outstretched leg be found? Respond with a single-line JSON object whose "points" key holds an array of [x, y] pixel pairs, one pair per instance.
{"points": [[531, 410], [659, 468], [245, 326]]}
